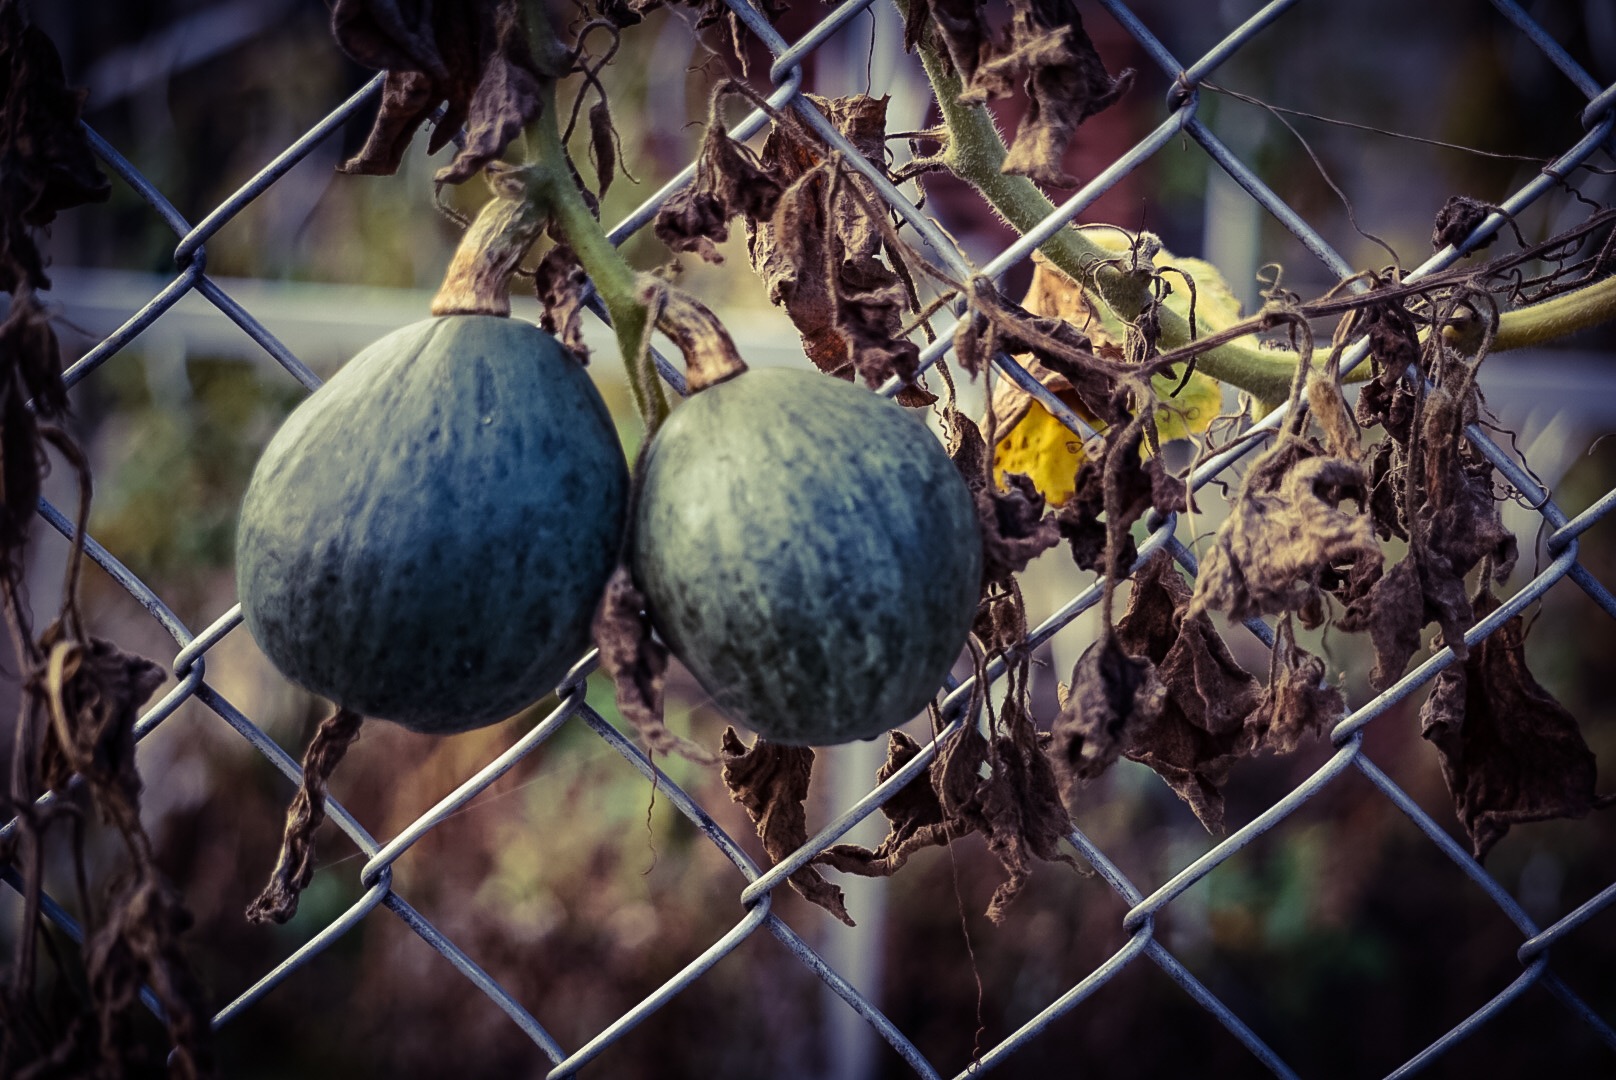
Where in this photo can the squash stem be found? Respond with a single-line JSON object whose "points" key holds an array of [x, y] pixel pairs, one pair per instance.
{"points": [[614, 280]]}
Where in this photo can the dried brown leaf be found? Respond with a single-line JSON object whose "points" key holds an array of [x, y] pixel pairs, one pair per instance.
{"points": [[602, 146], [771, 781], [562, 287], [1066, 83], [1113, 695], [1015, 529], [1457, 219], [1005, 790], [46, 164], [819, 250], [1298, 701], [638, 665], [1511, 753], [473, 57], [1287, 539], [914, 813], [1200, 732], [1143, 484], [93, 694], [138, 946], [729, 180]]}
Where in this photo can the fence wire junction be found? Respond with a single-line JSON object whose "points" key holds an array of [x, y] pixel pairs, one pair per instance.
{"points": [[1180, 121]]}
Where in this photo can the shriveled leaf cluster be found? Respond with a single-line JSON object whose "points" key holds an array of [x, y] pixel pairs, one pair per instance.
{"points": [[1043, 50], [472, 58], [1510, 752], [816, 235], [81, 696]]}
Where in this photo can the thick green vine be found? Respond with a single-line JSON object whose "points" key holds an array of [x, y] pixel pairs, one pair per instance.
{"points": [[975, 152]]}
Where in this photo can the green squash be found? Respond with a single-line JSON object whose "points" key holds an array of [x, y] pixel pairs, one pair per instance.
{"points": [[809, 552], [427, 537]]}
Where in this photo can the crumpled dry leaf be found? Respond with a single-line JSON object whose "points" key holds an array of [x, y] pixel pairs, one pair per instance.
{"points": [[1298, 701], [1044, 50], [1442, 501], [46, 166], [1015, 529], [562, 287], [915, 816], [729, 180], [1202, 728], [1511, 753], [624, 13], [473, 56], [1142, 484], [138, 945], [1287, 537], [1457, 219], [771, 781], [638, 665], [1005, 790], [1112, 696], [94, 693], [819, 251]]}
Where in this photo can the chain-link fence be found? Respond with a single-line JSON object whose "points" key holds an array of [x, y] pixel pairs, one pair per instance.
{"points": [[756, 908]]}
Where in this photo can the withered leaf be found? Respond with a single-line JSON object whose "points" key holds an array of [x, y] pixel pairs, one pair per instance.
{"points": [[819, 250], [1511, 753], [138, 946], [771, 781], [46, 166], [966, 36], [1005, 790], [915, 814], [1297, 702], [1453, 523], [1457, 219], [93, 693], [1142, 485], [602, 146], [1201, 730], [1112, 696], [562, 287], [1066, 84], [1044, 49], [472, 56], [729, 180], [1015, 529], [1018, 809], [45, 159], [638, 665], [1287, 536]]}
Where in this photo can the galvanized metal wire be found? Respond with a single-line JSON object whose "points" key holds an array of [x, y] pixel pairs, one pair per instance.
{"points": [[757, 884]]}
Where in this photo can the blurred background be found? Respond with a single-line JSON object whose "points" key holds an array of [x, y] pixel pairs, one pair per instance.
{"points": [[1344, 938]]}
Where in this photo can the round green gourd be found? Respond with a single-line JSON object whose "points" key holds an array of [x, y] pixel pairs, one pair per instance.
{"points": [[426, 538], [809, 552]]}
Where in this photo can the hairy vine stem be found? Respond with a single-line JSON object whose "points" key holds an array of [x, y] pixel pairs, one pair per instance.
{"points": [[974, 150]]}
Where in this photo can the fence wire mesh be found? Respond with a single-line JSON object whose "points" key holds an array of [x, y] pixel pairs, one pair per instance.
{"points": [[755, 908]]}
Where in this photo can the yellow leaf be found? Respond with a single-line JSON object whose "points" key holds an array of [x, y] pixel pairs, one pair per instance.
{"points": [[1041, 447], [1044, 449]]}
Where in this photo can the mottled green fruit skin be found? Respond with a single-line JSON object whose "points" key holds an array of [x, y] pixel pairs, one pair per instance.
{"points": [[426, 538], [809, 552]]}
